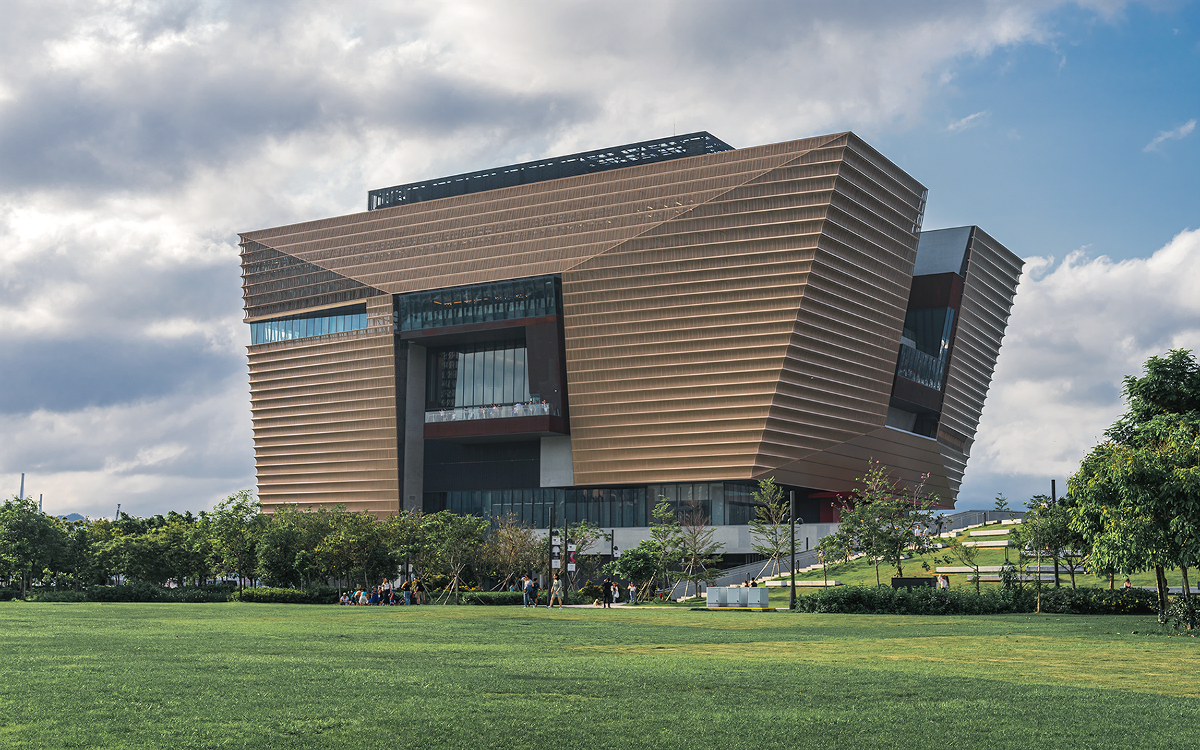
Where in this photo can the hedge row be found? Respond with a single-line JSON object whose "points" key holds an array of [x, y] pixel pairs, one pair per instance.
{"points": [[139, 592], [314, 595], [884, 600]]}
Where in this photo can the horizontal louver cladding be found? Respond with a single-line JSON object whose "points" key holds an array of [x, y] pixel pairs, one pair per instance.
{"points": [[992, 275], [703, 418], [836, 379], [325, 420], [644, 196]]}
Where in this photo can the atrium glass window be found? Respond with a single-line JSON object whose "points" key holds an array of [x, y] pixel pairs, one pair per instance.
{"points": [[307, 325], [492, 373], [479, 303]]}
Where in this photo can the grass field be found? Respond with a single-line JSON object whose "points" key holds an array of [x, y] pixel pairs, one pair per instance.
{"points": [[862, 573], [248, 675]]}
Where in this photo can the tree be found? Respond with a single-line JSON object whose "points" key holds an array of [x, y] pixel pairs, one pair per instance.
{"points": [[886, 520], [1001, 506], [30, 541], [233, 528], [699, 554], [639, 564], [1049, 522], [585, 535], [356, 544], [958, 551], [1136, 497], [769, 529], [456, 540], [666, 540], [512, 548]]}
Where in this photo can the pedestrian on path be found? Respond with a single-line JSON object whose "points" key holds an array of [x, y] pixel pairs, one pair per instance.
{"points": [[606, 593], [556, 592], [632, 593]]}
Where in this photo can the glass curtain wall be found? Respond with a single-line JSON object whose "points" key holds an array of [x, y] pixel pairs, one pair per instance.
{"points": [[302, 327], [486, 374], [479, 303], [723, 503]]}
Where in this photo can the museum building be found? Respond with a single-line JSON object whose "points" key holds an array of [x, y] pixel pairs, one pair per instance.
{"points": [[674, 318]]}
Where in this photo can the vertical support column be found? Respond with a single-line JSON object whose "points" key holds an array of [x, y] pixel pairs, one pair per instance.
{"points": [[413, 430]]}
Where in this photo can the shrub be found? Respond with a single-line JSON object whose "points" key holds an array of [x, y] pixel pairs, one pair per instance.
{"points": [[882, 600], [590, 592], [61, 596], [130, 592], [1182, 614], [511, 598], [9, 594], [148, 592], [267, 595]]}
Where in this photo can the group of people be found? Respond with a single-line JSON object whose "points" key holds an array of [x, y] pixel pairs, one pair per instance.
{"points": [[531, 408], [610, 592], [411, 591]]}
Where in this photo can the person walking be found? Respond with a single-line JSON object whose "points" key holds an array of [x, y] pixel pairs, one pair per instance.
{"points": [[556, 592], [632, 593], [527, 590], [406, 589], [606, 594]]}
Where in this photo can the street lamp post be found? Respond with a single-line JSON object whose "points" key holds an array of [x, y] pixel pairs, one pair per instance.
{"points": [[792, 520]]}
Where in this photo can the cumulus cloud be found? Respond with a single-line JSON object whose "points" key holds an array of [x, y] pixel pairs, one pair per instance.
{"points": [[1183, 131], [138, 137], [1077, 329]]}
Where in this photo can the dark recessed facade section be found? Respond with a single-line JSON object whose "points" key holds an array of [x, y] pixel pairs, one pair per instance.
{"points": [[483, 466], [572, 165]]}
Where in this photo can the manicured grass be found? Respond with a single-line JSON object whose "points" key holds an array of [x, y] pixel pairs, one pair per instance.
{"points": [[861, 573], [250, 675]]}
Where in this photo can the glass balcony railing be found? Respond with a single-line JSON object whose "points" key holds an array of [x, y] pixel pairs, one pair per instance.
{"points": [[494, 411], [920, 367]]}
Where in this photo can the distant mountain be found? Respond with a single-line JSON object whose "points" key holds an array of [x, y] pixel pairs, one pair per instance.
{"points": [[73, 517]]}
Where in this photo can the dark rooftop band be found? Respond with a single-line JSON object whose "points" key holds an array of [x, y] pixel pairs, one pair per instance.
{"points": [[571, 165]]}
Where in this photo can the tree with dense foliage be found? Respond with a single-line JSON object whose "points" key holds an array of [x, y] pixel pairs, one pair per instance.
{"points": [[638, 564], [234, 527], [1136, 497], [30, 541], [886, 520], [770, 532]]}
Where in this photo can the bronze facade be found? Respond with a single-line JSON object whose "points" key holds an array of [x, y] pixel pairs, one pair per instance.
{"points": [[723, 317]]}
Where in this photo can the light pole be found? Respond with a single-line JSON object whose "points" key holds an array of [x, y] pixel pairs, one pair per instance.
{"points": [[792, 520]]}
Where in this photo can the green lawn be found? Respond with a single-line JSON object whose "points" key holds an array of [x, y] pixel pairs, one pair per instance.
{"points": [[249, 675], [861, 573]]}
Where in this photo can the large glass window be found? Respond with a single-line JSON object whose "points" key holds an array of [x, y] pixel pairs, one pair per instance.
{"points": [[307, 325], [489, 374], [479, 303]]}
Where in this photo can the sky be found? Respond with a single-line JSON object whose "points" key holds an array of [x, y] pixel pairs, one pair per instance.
{"points": [[137, 139]]}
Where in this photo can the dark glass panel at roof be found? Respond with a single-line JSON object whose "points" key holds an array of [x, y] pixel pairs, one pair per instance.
{"points": [[572, 165]]}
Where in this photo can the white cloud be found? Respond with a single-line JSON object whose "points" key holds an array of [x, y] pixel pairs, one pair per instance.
{"points": [[1183, 131], [138, 139], [969, 121], [1077, 329]]}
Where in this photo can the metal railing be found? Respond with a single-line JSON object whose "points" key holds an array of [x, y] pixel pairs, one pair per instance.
{"points": [[920, 367], [494, 411]]}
